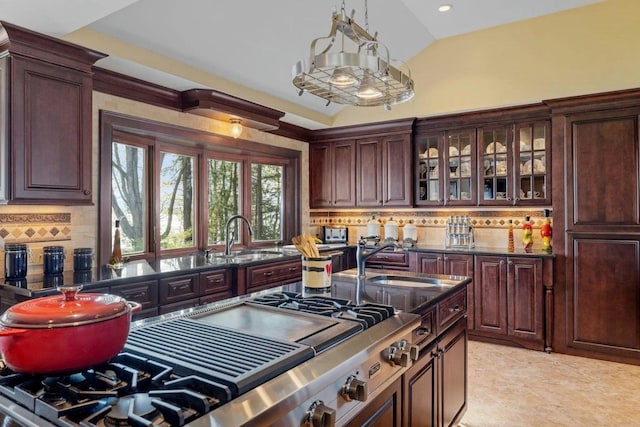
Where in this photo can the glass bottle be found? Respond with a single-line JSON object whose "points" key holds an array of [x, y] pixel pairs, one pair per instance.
{"points": [[546, 232], [527, 234], [510, 244], [116, 254]]}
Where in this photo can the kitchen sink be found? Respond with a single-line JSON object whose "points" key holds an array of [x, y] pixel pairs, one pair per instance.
{"points": [[248, 255], [421, 282]]}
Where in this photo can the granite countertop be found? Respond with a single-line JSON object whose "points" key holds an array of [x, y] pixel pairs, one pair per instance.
{"points": [[39, 285]]}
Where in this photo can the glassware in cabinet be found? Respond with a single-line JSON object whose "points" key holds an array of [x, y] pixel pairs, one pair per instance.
{"points": [[532, 164], [495, 160], [429, 176]]}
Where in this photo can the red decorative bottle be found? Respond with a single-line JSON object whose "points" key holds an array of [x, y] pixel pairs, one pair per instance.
{"points": [[527, 234]]}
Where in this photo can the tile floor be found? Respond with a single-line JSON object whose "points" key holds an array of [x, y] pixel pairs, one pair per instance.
{"points": [[515, 387]]}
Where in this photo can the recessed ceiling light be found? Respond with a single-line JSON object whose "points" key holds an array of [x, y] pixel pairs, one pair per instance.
{"points": [[445, 8]]}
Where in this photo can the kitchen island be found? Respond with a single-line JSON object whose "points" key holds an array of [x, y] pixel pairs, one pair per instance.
{"points": [[348, 381]]}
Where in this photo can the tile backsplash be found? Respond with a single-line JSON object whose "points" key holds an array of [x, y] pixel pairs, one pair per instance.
{"points": [[490, 226]]}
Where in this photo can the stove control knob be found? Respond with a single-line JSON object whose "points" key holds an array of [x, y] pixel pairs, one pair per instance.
{"points": [[397, 356], [319, 415], [355, 389], [414, 351]]}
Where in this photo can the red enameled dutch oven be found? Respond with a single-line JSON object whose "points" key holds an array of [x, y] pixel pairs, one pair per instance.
{"points": [[64, 333]]}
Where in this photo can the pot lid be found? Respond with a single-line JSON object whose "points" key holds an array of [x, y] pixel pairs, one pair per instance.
{"points": [[69, 309]]}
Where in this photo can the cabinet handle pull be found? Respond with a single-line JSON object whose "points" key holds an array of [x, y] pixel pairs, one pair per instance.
{"points": [[268, 273], [455, 309], [501, 263], [422, 332], [293, 268]]}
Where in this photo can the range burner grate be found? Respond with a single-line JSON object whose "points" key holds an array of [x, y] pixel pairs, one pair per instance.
{"points": [[235, 358]]}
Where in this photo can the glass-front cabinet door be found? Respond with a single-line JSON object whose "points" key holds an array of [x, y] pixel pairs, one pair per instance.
{"points": [[428, 169], [495, 160], [460, 172], [532, 163]]}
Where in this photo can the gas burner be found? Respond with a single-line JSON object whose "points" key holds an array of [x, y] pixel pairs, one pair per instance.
{"points": [[365, 314], [134, 410]]}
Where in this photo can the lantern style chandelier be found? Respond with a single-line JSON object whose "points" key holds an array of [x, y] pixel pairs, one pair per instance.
{"points": [[363, 76]]}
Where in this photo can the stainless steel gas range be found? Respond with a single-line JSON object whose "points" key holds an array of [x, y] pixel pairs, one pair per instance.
{"points": [[283, 358]]}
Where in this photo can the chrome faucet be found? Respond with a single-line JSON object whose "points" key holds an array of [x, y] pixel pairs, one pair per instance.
{"points": [[229, 241], [362, 253]]}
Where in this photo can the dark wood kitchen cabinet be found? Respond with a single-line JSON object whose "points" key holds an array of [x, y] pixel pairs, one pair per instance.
{"points": [[215, 286], [144, 292], [498, 157], [596, 159], [47, 87], [382, 164], [435, 387], [179, 292], [446, 263], [510, 300], [362, 166], [264, 276], [332, 180]]}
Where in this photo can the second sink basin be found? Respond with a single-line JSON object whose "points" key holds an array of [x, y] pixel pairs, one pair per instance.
{"points": [[422, 282]]}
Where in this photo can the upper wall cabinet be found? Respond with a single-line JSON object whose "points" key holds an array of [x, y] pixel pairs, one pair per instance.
{"points": [[332, 181], [495, 158], [363, 166], [46, 133]]}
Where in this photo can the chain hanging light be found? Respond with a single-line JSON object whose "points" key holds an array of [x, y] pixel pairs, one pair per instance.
{"points": [[363, 77]]}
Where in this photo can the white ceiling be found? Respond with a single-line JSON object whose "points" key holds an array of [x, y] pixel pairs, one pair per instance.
{"points": [[255, 43]]}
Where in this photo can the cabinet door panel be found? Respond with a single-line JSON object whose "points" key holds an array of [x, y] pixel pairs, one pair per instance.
{"points": [[419, 384], [604, 314], [525, 293], [52, 160], [605, 163], [430, 263], [320, 175], [453, 368], [344, 180], [369, 185], [490, 294], [397, 179]]}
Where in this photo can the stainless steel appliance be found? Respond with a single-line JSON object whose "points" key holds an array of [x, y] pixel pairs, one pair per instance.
{"points": [[284, 358], [335, 234]]}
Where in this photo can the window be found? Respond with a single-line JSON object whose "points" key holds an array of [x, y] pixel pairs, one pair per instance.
{"points": [[224, 178], [173, 189], [266, 201], [128, 190], [176, 201]]}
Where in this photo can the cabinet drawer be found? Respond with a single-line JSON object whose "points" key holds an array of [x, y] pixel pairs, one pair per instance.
{"points": [[274, 273], [178, 288], [389, 258], [146, 293], [214, 282], [452, 309], [426, 332]]}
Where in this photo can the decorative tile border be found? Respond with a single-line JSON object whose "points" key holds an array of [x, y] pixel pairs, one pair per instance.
{"points": [[479, 219], [38, 227]]}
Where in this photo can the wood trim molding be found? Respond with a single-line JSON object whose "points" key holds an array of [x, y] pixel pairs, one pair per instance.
{"points": [[368, 129], [477, 118], [124, 86], [21, 41], [595, 102]]}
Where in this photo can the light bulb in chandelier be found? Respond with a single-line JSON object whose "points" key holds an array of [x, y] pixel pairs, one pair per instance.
{"points": [[368, 89], [236, 128], [343, 77]]}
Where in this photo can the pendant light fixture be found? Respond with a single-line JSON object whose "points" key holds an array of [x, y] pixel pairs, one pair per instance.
{"points": [[361, 76], [236, 127]]}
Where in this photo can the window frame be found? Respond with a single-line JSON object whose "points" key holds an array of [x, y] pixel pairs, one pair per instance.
{"points": [[157, 136]]}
